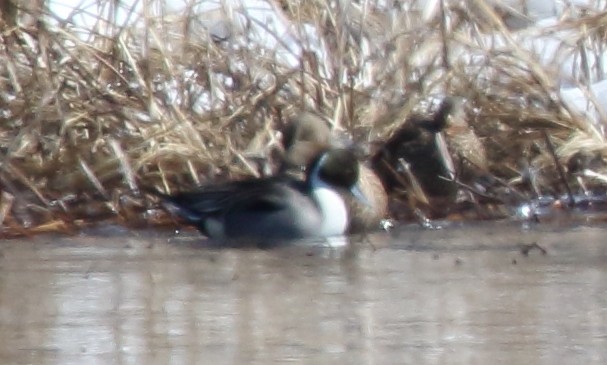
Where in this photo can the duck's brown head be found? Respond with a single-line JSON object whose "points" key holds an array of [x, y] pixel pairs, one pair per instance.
{"points": [[304, 138]]}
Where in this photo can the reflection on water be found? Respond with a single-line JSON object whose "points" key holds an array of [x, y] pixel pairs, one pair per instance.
{"points": [[460, 296]]}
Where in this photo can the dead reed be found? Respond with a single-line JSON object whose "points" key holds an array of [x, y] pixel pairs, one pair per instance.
{"points": [[89, 118]]}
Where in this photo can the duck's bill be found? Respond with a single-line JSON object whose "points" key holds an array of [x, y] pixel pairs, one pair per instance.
{"points": [[359, 195]]}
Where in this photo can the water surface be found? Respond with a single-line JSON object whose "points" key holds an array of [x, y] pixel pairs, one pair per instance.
{"points": [[468, 295]]}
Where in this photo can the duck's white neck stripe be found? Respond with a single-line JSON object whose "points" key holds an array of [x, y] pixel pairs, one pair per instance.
{"points": [[330, 203]]}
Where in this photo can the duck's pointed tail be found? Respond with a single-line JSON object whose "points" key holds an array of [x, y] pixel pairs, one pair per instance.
{"points": [[176, 206]]}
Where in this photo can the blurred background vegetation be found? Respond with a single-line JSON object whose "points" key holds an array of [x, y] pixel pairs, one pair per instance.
{"points": [[101, 98]]}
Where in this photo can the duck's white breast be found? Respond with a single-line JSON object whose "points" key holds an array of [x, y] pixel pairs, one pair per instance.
{"points": [[333, 210]]}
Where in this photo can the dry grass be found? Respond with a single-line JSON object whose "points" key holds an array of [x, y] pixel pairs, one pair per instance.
{"points": [[86, 123]]}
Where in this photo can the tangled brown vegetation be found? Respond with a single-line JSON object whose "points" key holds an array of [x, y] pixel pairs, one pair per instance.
{"points": [[88, 119]]}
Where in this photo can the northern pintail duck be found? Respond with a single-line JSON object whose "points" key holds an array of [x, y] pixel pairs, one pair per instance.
{"points": [[275, 208], [303, 137]]}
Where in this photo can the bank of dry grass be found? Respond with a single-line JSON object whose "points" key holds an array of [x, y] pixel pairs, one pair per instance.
{"points": [[85, 124]]}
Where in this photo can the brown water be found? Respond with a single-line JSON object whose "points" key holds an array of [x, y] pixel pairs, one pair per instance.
{"points": [[451, 296]]}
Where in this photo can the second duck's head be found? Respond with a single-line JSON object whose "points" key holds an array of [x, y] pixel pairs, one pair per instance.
{"points": [[305, 137]]}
